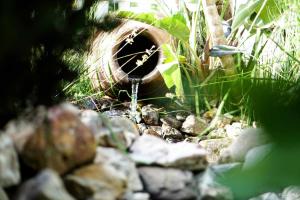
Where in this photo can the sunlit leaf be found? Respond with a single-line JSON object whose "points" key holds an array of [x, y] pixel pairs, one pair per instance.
{"points": [[175, 26], [170, 70], [243, 12]]}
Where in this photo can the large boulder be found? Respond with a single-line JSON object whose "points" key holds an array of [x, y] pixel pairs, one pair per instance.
{"points": [[60, 141]]}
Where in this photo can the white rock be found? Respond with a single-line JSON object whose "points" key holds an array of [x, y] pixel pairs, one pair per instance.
{"points": [[9, 165], [268, 196], [151, 150], [291, 193], [122, 163], [193, 125], [168, 183], [248, 139], [46, 185]]}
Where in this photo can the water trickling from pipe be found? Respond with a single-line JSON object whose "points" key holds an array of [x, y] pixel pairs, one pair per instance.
{"points": [[134, 115]]}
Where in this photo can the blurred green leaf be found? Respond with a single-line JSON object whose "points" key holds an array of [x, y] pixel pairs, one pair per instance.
{"points": [[244, 11], [170, 70], [176, 26], [267, 10]]}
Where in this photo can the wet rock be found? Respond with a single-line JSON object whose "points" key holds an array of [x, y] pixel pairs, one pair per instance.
{"points": [[149, 150], [193, 125], [96, 181], [106, 103], [171, 121], [9, 164], [209, 186], [121, 163], [150, 114], [142, 127], [256, 155], [268, 196], [171, 133], [213, 148], [115, 113], [124, 126], [248, 139], [46, 185], [291, 193], [168, 183], [181, 116], [3, 195], [60, 142]]}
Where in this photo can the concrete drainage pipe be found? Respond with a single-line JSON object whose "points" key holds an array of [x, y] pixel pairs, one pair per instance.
{"points": [[130, 51]]}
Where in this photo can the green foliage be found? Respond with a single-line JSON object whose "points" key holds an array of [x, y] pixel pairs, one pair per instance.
{"points": [[264, 11], [170, 70]]}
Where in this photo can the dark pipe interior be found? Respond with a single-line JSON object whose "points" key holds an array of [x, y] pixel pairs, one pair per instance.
{"points": [[140, 44]]}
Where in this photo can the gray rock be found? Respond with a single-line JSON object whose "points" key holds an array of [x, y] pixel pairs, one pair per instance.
{"points": [[3, 195], [119, 132], [181, 116], [150, 114], [209, 186], [168, 183], [142, 127], [9, 164], [171, 133], [193, 125], [248, 139], [149, 150], [137, 196], [114, 113], [97, 182], [93, 121], [268, 196], [121, 162], [171, 121], [123, 125], [291, 193], [46, 185], [214, 147], [256, 155]]}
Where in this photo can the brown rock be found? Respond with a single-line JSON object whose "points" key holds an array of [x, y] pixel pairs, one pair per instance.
{"points": [[60, 142], [96, 181]]}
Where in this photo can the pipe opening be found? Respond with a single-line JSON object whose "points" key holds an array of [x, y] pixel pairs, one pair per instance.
{"points": [[129, 54]]}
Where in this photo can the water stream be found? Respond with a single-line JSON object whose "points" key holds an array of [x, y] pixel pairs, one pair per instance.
{"points": [[134, 115]]}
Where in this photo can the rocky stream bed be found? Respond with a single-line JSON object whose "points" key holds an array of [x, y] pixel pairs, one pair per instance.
{"points": [[96, 152]]}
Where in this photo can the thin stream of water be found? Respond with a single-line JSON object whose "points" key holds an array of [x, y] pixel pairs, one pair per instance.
{"points": [[134, 115]]}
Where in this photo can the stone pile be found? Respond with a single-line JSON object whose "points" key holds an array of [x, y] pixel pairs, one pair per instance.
{"points": [[63, 153]]}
